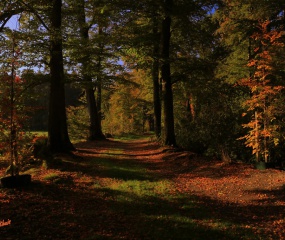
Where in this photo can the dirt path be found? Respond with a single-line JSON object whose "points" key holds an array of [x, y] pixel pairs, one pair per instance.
{"points": [[139, 190], [236, 192]]}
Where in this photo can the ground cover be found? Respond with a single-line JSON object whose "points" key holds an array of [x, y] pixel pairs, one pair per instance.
{"points": [[135, 189]]}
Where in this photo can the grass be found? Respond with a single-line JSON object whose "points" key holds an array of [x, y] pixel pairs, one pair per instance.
{"points": [[51, 176], [38, 133], [129, 136], [32, 171]]}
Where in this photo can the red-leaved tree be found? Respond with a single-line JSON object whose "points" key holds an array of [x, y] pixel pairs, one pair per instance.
{"points": [[266, 92]]}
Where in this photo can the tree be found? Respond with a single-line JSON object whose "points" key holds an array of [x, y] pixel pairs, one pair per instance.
{"points": [[14, 110], [155, 74], [264, 103], [146, 50], [95, 130], [167, 94], [58, 139], [251, 34], [94, 51], [49, 20]]}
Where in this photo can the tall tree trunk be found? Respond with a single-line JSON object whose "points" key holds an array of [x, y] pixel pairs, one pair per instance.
{"points": [[155, 79], [95, 130], [99, 77], [58, 139], [167, 95], [99, 100]]}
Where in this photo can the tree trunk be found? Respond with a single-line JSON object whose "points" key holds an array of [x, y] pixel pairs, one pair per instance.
{"points": [[155, 80], [95, 129], [58, 139], [99, 100], [167, 95], [99, 78]]}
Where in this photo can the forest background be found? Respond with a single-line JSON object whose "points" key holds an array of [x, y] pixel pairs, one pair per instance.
{"points": [[205, 75]]}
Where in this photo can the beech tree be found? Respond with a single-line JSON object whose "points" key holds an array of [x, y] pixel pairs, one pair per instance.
{"points": [[95, 130], [167, 94], [93, 49], [58, 139], [155, 74]]}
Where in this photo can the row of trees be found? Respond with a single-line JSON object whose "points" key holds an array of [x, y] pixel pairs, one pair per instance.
{"points": [[214, 69]]}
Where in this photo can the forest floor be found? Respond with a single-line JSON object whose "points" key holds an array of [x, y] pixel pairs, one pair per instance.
{"points": [[136, 189]]}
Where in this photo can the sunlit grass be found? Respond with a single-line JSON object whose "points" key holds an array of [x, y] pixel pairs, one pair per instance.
{"points": [[32, 171], [38, 133], [136, 188], [51, 176], [127, 137]]}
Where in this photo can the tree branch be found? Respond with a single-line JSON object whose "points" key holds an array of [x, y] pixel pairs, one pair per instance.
{"points": [[6, 16], [35, 12], [4, 23]]}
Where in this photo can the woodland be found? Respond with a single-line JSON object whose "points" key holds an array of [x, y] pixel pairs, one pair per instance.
{"points": [[166, 113], [203, 75]]}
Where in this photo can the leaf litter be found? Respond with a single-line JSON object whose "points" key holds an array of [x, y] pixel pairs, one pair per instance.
{"points": [[85, 196]]}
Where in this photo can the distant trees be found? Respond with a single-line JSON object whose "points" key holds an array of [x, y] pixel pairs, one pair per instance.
{"points": [[130, 108]]}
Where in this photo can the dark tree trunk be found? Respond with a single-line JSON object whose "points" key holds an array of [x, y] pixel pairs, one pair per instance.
{"points": [[99, 79], [99, 100], [58, 139], [95, 129], [155, 79], [167, 95]]}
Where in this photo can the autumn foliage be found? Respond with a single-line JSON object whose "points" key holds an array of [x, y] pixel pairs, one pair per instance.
{"points": [[266, 101], [15, 143]]}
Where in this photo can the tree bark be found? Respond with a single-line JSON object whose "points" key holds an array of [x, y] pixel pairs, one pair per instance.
{"points": [[155, 80], [58, 139], [99, 101], [95, 129], [99, 78], [167, 95]]}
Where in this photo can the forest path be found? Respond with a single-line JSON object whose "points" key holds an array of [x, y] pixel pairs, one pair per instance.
{"points": [[136, 189], [236, 192]]}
